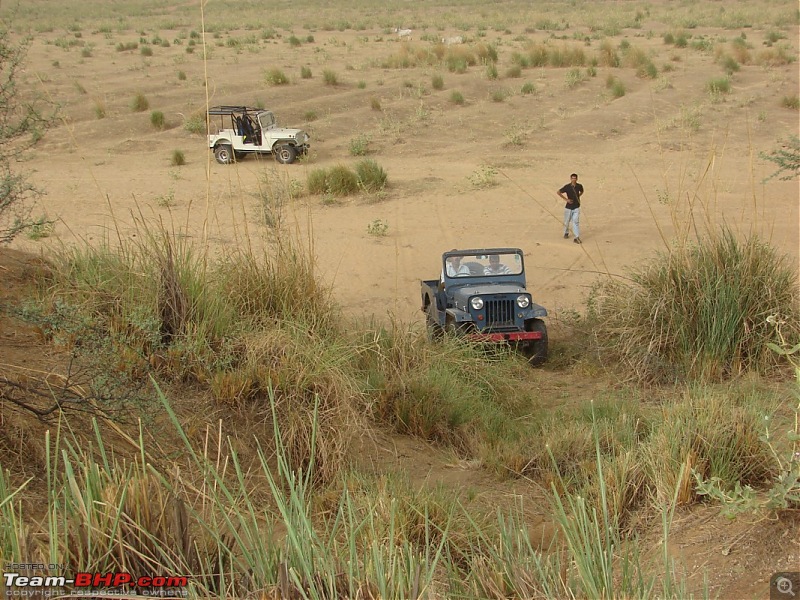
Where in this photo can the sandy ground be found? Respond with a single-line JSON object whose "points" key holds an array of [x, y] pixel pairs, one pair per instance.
{"points": [[665, 158], [643, 158]]}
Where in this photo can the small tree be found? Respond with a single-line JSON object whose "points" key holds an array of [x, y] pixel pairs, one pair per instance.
{"points": [[787, 158], [21, 125]]}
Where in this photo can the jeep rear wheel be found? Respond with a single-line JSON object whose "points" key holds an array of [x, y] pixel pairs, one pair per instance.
{"points": [[536, 350], [285, 154], [224, 154], [435, 331]]}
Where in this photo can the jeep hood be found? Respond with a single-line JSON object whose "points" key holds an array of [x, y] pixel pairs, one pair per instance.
{"points": [[464, 293]]}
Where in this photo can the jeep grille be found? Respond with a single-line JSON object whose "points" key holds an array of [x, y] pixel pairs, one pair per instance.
{"points": [[499, 313]]}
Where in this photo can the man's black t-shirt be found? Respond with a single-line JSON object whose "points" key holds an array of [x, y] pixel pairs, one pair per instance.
{"points": [[573, 192]]}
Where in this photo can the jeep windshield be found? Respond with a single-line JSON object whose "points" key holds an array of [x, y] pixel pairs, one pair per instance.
{"points": [[488, 264]]}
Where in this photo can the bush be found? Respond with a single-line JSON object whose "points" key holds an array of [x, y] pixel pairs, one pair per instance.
{"points": [[336, 181], [792, 102], [437, 82], [528, 88], [457, 97], [371, 176], [721, 85], [178, 158], [305, 72], [359, 145], [146, 51], [330, 77], [195, 124], [157, 119], [140, 103], [699, 311], [275, 76], [341, 181]]}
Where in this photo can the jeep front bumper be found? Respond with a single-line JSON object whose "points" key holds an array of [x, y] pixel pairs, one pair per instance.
{"points": [[509, 336]]}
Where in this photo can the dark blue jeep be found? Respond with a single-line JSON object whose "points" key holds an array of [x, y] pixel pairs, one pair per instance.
{"points": [[481, 294]]}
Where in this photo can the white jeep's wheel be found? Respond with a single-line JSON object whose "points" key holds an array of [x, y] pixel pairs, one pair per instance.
{"points": [[224, 154], [285, 154]]}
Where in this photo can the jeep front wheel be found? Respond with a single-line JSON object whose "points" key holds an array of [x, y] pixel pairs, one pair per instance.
{"points": [[536, 350], [285, 154], [224, 154]]}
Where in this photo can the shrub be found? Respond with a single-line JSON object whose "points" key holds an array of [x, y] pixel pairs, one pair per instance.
{"points": [[491, 71], [146, 51], [341, 181], [792, 102], [457, 97], [729, 64], [528, 88], [157, 119], [275, 76], [317, 181], [617, 88], [720, 85], [375, 103], [371, 176], [181, 76], [336, 181], [437, 82], [378, 228], [140, 103], [359, 145], [305, 72], [514, 71], [330, 77], [178, 159], [294, 41], [699, 311], [195, 124]]}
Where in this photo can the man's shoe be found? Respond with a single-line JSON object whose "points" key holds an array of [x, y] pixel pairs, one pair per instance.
{"points": [[566, 236], [577, 240]]}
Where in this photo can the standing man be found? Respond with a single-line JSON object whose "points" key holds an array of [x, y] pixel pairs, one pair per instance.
{"points": [[572, 211]]}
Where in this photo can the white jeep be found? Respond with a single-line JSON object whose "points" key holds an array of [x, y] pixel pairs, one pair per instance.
{"points": [[244, 130]]}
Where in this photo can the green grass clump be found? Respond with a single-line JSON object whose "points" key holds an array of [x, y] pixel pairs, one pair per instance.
{"points": [[528, 88], [792, 102], [195, 124], [336, 181], [719, 85], [330, 77], [615, 86], [305, 72], [437, 82], [275, 76], [146, 51], [157, 119], [371, 176], [699, 311], [178, 158], [457, 97], [140, 103], [359, 145]]}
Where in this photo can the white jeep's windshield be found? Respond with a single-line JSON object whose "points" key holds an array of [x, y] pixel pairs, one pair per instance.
{"points": [[483, 265]]}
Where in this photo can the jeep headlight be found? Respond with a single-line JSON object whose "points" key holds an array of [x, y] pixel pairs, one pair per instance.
{"points": [[476, 303], [523, 301]]}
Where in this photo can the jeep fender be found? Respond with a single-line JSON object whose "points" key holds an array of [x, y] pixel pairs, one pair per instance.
{"points": [[220, 139], [458, 316], [278, 143]]}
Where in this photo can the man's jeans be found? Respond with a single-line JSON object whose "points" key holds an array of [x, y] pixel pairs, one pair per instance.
{"points": [[572, 214]]}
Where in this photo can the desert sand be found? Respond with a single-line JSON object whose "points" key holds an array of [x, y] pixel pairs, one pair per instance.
{"points": [[667, 153]]}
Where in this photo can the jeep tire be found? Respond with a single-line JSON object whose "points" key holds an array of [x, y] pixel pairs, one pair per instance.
{"points": [[285, 154], [224, 154], [536, 350]]}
